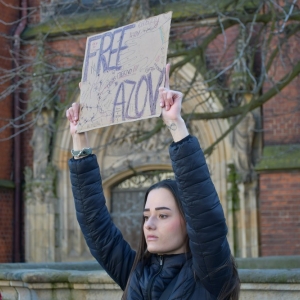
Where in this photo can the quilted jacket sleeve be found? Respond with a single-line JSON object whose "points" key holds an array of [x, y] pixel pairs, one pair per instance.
{"points": [[103, 238], [206, 225]]}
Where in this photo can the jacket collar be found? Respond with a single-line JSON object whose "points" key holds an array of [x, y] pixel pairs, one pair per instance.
{"points": [[171, 259]]}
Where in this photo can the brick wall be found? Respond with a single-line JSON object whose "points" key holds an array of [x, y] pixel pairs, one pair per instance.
{"points": [[220, 52], [282, 117], [279, 194], [279, 208], [35, 7], [282, 113], [6, 223], [8, 15]]}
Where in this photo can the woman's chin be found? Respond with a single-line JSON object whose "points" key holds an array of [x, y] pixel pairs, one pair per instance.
{"points": [[152, 249]]}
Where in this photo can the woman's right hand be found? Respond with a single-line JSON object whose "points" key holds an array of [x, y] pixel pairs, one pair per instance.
{"points": [[72, 114], [80, 140]]}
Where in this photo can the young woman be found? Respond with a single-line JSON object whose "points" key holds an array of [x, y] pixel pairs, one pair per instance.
{"points": [[183, 252]]}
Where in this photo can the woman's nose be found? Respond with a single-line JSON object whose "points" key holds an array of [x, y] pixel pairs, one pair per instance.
{"points": [[150, 224]]}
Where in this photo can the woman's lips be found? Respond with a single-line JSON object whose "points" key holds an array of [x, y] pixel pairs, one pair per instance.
{"points": [[152, 237]]}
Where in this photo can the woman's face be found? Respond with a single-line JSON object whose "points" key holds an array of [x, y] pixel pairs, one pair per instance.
{"points": [[164, 227]]}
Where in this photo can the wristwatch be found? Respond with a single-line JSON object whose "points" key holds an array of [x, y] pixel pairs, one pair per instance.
{"points": [[82, 152]]}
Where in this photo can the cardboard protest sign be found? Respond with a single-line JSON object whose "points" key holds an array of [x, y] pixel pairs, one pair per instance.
{"points": [[122, 72]]}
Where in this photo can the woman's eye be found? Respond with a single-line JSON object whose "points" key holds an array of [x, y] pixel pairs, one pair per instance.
{"points": [[163, 216], [146, 218]]}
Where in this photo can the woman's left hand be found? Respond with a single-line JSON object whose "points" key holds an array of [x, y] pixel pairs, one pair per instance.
{"points": [[170, 101]]}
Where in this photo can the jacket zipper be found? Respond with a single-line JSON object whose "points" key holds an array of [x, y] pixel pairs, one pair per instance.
{"points": [[161, 263]]}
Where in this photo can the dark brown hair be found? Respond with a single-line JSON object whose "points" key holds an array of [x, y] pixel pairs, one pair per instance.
{"points": [[230, 290]]}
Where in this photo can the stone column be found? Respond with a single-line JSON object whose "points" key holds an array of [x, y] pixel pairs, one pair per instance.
{"points": [[40, 217], [40, 198]]}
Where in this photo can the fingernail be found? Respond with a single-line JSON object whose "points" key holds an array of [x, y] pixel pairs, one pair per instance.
{"points": [[160, 104]]}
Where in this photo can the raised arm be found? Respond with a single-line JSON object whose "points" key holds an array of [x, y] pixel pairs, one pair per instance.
{"points": [[205, 219], [103, 238]]}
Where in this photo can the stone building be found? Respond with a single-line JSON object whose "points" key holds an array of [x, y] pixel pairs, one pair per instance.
{"points": [[256, 169]]}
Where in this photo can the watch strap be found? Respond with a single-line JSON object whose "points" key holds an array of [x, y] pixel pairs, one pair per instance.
{"points": [[82, 152]]}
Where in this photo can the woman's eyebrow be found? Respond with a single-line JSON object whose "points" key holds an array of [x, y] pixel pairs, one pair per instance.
{"points": [[157, 208], [162, 207]]}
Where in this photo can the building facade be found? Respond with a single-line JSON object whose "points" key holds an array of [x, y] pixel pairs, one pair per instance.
{"points": [[256, 168]]}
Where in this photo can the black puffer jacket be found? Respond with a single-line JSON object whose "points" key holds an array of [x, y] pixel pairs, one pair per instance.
{"points": [[203, 271]]}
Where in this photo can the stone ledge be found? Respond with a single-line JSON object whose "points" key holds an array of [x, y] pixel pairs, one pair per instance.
{"points": [[264, 278], [7, 184], [269, 262], [79, 266], [33, 276], [95, 286], [279, 157], [100, 277], [97, 21], [271, 287], [54, 276], [90, 277], [270, 276], [4, 283]]}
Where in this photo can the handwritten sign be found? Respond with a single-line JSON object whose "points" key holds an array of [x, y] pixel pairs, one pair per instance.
{"points": [[122, 72]]}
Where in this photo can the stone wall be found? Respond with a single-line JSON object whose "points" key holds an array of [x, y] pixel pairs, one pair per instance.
{"points": [[262, 278]]}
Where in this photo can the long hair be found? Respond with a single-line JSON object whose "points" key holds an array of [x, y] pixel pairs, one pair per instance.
{"points": [[230, 289]]}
